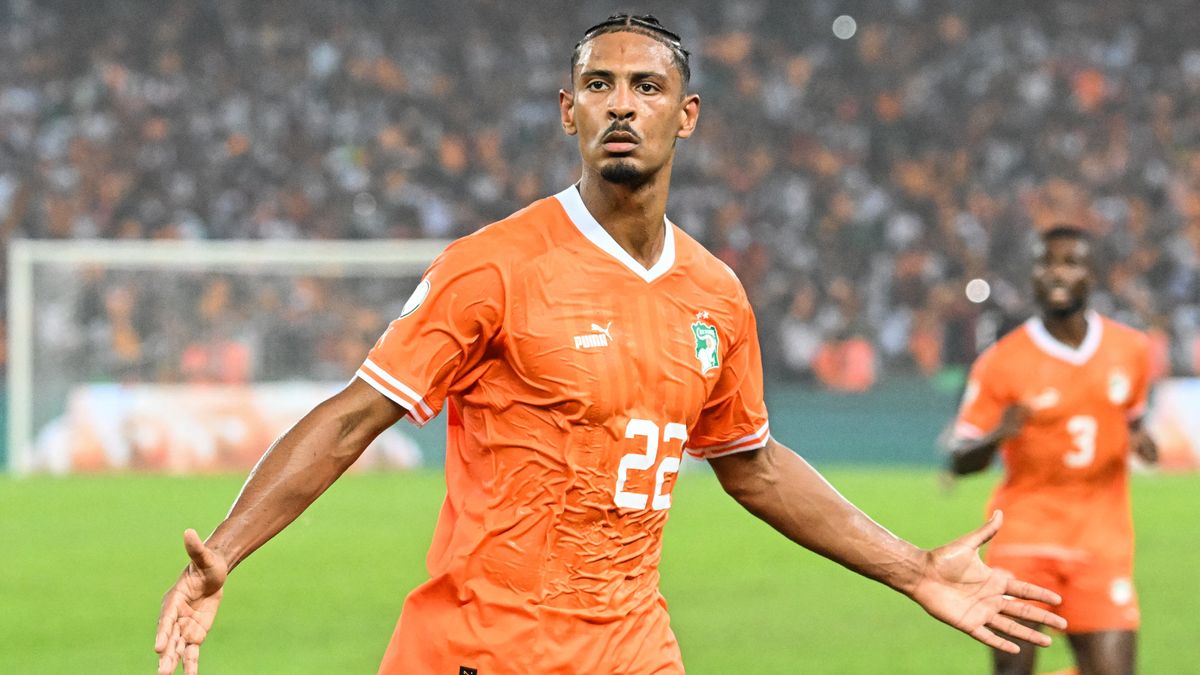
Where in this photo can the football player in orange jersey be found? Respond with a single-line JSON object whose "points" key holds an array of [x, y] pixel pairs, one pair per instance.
{"points": [[1062, 398], [579, 347]]}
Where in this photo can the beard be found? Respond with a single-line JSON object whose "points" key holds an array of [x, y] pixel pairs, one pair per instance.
{"points": [[1075, 306], [622, 173]]}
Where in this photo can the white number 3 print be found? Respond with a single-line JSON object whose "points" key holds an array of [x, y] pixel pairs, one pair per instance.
{"points": [[1083, 434], [638, 461]]}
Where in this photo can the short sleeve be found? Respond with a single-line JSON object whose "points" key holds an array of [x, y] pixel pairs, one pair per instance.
{"points": [[441, 334], [734, 418], [983, 403]]}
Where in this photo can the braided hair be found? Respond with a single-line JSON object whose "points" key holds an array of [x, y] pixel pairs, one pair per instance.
{"points": [[646, 24]]}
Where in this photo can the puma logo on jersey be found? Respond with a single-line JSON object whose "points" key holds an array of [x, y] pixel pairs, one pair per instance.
{"points": [[599, 337], [1047, 399]]}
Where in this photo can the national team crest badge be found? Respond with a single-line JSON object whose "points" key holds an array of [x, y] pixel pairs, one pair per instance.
{"points": [[1118, 387], [707, 343]]}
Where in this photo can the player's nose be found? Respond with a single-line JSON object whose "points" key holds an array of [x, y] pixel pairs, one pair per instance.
{"points": [[620, 104]]}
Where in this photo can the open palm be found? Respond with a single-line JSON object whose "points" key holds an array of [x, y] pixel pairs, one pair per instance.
{"points": [[959, 589], [188, 609]]}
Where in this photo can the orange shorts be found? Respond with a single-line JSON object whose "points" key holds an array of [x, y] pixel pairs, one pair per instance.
{"points": [[1096, 595]]}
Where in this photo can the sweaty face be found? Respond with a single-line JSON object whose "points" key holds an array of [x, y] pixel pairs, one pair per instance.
{"points": [[627, 107], [1062, 276]]}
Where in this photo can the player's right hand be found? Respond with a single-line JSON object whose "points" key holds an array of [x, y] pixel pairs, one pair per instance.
{"points": [[1143, 444], [188, 609], [1012, 420]]}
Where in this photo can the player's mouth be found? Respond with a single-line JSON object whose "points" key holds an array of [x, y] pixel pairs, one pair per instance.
{"points": [[1058, 293], [619, 142]]}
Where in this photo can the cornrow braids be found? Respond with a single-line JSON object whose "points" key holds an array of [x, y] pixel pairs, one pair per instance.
{"points": [[646, 24]]}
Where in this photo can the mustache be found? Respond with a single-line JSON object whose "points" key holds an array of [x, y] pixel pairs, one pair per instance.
{"points": [[623, 128]]}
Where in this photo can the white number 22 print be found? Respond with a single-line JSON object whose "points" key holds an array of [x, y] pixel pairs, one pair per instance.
{"points": [[643, 461]]}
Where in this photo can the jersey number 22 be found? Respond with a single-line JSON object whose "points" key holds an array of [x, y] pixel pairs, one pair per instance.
{"points": [[643, 461]]}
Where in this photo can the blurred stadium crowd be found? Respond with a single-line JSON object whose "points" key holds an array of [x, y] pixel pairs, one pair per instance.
{"points": [[854, 185]]}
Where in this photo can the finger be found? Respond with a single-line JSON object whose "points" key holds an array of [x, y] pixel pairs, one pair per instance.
{"points": [[985, 533], [1026, 612], [166, 622], [166, 663], [1013, 629], [1027, 591], [191, 660], [177, 643], [994, 641], [202, 556], [170, 658]]}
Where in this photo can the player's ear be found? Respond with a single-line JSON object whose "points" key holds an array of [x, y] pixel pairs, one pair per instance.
{"points": [[689, 115], [566, 109]]}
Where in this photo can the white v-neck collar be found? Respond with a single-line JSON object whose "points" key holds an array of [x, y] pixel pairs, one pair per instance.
{"points": [[588, 226], [1073, 355]]}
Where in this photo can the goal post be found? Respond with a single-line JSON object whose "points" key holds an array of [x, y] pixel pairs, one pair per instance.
{"points": [[49, 280]]}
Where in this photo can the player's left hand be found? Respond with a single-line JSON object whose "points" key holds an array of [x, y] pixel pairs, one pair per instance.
{"points": [[188, 609], [957, 588], [1143, 445]]}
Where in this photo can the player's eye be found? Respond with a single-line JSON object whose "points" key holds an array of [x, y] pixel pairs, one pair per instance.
{"points": [[647, 87], [597, 85]]}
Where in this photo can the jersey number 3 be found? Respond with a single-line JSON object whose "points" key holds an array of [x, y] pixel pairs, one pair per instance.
{"points": [[643, 461], [1083, 435]]}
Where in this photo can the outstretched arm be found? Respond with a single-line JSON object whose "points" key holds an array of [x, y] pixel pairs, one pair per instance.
{"points": [[950, 582], [301, 465], [291, 475]]}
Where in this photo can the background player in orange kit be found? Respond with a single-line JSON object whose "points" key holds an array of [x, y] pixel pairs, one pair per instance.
{"points": [[1062, 398], [579, 347]]}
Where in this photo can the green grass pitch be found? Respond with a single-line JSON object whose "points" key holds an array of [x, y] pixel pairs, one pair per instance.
{"points": [[86, 561]]}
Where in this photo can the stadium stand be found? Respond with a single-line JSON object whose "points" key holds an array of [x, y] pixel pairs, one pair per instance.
{"points": [[853, 213]]}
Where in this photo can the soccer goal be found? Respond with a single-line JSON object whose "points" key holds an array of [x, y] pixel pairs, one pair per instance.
{"points": [[188, 355]]}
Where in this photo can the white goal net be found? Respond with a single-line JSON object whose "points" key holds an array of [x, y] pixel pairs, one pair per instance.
{"points": [[185, 355]]}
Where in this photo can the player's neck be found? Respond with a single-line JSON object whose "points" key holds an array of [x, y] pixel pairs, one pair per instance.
{"points": [[1069, 329], [632, 216]]}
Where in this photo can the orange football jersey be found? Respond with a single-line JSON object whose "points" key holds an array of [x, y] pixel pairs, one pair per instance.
{"points": [[575, 379], [1065, 492]]}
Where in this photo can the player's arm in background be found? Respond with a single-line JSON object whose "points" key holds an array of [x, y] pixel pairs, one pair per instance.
{"points": [[442, 334], [986, 419], [971, 454], [1140, 441]]}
